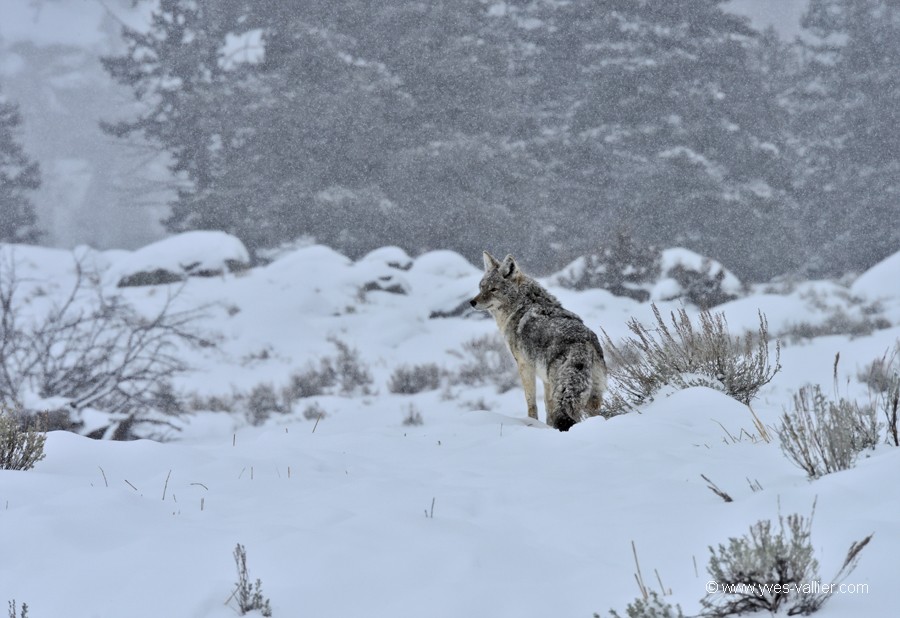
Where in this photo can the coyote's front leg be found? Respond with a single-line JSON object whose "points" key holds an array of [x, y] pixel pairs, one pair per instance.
{"points": [[526, 373]]}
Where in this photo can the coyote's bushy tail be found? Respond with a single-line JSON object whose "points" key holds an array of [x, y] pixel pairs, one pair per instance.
{"points": [[572, 390]]}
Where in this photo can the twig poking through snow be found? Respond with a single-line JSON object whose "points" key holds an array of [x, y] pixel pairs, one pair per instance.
{"points": [[715, 489]]}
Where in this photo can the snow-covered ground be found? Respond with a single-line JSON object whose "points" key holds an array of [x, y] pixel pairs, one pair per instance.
{"points": [[475, 512]]}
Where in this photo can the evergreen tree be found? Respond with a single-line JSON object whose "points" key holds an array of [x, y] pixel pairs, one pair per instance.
{"points": [[667, 108], [18, 176], [849, 121], [528, 126], [176, 70], [273, 145]]}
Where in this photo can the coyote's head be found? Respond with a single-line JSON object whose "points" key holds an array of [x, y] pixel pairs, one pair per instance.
{"points": [[500, 284]]}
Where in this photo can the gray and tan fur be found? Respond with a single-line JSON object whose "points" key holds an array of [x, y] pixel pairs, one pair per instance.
{"points": [[547, 341]]}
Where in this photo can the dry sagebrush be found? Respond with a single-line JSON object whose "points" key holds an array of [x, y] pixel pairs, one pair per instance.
{"points": [[771, 570], [823, 436], [409, 380], [487, 360], [882, 376], [21, 446], [677, 353]]}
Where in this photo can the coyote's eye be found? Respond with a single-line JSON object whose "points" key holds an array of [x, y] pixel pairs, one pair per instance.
{"points": [[494, 290]]}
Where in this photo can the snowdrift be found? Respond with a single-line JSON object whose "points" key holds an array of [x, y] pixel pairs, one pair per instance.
{"points": [[475, 512]]}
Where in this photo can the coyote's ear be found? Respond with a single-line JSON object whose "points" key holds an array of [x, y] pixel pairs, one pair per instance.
{"points": [[490, 262], [508, 267]]}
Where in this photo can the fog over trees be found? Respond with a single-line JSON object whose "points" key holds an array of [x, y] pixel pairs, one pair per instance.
{"points": [[537, 127]]}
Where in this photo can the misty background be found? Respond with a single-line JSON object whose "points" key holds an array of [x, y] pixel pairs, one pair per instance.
{"points": [[761, 133]]}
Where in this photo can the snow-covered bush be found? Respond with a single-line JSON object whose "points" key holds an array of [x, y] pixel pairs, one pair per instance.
{"points": [[694, 278], [14, 613], [650, 606], [682, 356], [487, 360], [90, 349], [882, 376], [214, 403], [262, 402], [412, 379], [626, 268], [352, 374], [704, 288], [764, 557], [20, 446], [623, 267], [314, 412], [823, 436], [249, 597], [770, 570], [345, 370], [310, 382], [838, 323], [344, 374], [413, 417]]}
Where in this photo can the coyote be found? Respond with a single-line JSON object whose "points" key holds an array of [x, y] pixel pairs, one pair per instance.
{"points": [[546, 341]]}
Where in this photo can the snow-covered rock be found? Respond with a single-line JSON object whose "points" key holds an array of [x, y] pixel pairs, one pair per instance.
{"points": [[190, 254], [671, 274], [380, 269], [681, 258], [446, 282], [395, 257]]}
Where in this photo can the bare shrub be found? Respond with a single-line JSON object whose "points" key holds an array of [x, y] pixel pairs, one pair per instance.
{"points": [[838, 323], [476, 404], [13, 613], [682, 356], [167, 400], [823, 436], [770, 570], [882, 373], [413, 417], [352, 375], [91, 348], [487, 360], [310, 382], [21, 443], [650, 606], [215, 403], [314, 412], [345, 373], [248, 596], [261, 403], [409, 380], [761, 558], [882, 376], [345, 370], [889, 403]]}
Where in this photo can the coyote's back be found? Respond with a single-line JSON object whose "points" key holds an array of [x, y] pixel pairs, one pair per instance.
{"points": [[547, 341]]}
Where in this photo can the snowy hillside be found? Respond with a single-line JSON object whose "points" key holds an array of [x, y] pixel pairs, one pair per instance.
{"points": [[360, 501]]}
